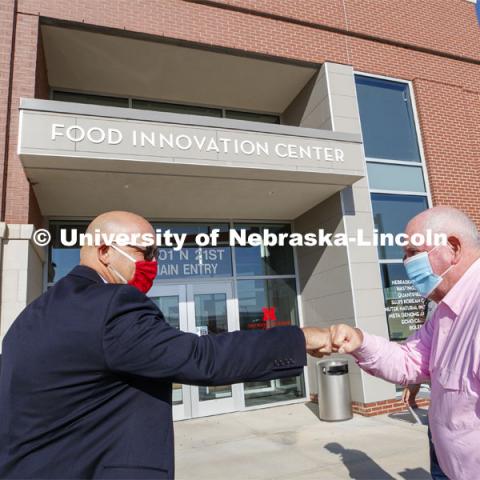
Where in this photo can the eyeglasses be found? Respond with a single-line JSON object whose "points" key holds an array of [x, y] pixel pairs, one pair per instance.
{"points": [[149, 253]]}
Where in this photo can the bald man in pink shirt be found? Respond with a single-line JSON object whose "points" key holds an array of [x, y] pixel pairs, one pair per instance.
{"points": [[446, 350]]}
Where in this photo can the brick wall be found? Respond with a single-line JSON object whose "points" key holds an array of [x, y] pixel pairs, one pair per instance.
{"points": [[26, 76], [41, 91], [448, 117], [434, 44], [446, 26], [381, 408], [6, 37], [385, 406], [18, 194]]}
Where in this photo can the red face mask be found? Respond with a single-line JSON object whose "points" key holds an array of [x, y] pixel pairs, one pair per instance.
{"points": [[145, 272]]}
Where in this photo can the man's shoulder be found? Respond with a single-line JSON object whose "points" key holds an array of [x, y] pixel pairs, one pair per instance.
{"points": [[73, 296], [464, 296], [70, 314], [75, 285], [128, 299], [84, 288]]}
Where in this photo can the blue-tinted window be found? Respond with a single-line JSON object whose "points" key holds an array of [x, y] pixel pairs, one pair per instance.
{"points": [[63, 259], [387, 176], [193, 261], [264, 304], [387, 121], [263, 260], [391, 213]]}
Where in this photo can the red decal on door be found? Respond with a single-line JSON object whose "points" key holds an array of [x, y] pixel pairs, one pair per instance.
{"points": [[269, 314]]}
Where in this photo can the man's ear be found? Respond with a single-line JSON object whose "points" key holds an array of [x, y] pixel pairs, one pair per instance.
{"points": [[456, 247], [103, 253]]}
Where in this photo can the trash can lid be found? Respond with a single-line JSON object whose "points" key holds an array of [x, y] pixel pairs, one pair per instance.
{"points": [[333, 367], [332, 363]]}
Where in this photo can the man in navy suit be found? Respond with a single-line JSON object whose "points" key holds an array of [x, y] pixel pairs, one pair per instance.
{"points": [[87, 368]]}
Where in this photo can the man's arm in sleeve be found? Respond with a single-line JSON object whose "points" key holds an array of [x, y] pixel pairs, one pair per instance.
{"points": [[401, 363], [137, 340]]}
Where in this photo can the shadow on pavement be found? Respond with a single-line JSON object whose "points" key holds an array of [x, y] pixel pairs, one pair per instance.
{"points": [[361, 467], [313, 407], [359, 464], [408, 417], [415, 474]]}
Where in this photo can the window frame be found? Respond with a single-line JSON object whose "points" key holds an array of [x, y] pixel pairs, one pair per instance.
{"points": [[130, 100], [422, 162], [427, 194], [396, 194]]}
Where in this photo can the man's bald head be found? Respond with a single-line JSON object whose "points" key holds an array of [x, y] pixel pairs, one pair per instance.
{"points": [[99, 257], [447, 220], [453, 259], [119, 222]]}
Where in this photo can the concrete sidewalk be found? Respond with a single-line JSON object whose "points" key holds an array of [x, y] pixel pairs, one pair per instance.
{"points": [[291, 442]]}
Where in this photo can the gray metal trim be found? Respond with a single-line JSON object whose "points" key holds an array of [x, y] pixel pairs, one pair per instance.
{"points": [[182, 119]]}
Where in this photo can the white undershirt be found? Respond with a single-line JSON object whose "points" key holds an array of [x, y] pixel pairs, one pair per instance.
{"points": [[104, 281]]}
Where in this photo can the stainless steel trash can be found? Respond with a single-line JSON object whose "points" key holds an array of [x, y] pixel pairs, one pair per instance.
{"points": [[334, 398]]}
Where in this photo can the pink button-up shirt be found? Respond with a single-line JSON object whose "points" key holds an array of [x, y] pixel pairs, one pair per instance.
{"points": [[446, 352]]}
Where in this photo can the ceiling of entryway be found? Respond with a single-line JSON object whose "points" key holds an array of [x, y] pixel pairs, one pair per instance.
{"points": [[94, 62]]}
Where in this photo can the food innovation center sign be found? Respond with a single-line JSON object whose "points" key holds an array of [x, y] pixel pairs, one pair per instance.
{"points": [[154, 137], [162, 139]]}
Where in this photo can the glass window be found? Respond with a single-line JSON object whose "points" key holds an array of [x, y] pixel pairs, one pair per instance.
{"points": [[169, 305], [63, 259], [404, 306], [193, 261], [90, 99], [391, 213], [78, 97], [384, 176], [264, 304], [211, 318], [387, 121], [176, 108], [252, 117], [263, 260], [211, 313]]}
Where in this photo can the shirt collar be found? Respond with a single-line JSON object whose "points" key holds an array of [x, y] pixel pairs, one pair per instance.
{"points": [[468, 282]]}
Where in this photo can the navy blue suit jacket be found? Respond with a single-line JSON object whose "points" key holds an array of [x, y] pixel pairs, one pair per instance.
{"points": [[86, 380]]}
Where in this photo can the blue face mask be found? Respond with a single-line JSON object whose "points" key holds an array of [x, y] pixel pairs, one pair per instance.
{"points": [[420, 272]]}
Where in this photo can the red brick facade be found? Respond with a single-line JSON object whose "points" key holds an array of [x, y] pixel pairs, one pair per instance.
{"points": [[6, 54], [435, 44], [385, 406], [381, 408]]}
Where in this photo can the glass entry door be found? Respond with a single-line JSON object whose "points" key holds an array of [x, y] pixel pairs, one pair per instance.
{"points": [[203, 309], [172, 301], [210, 312]]}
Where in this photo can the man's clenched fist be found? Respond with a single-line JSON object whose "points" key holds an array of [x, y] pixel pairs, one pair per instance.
{"points": [[345, 339], [317, 341], [336, 339]]}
